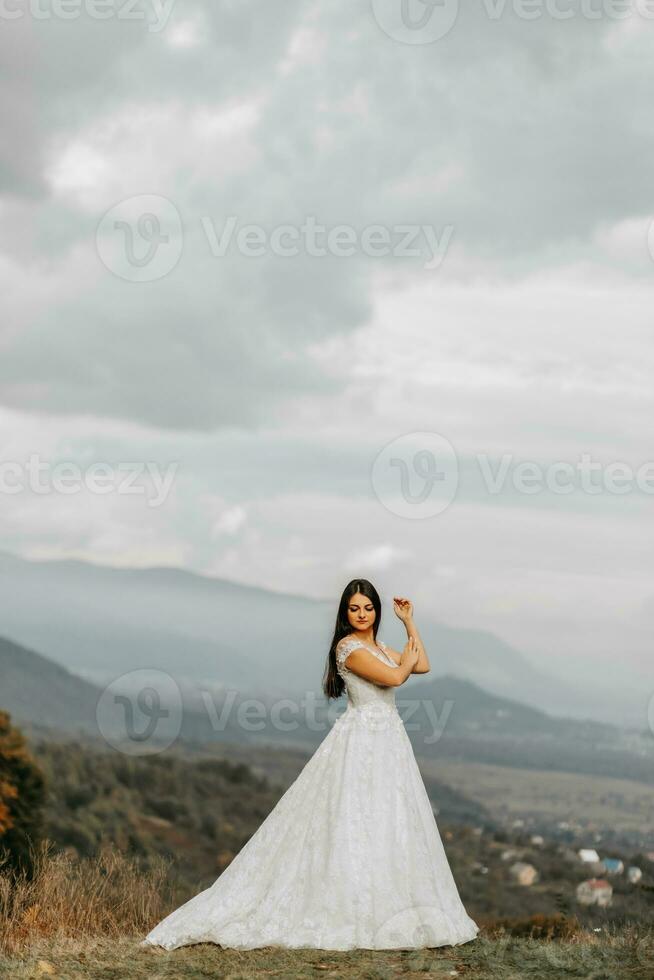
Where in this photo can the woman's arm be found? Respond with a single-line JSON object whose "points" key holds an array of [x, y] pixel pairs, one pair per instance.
{"points": [[364, 663], [403, 609]]}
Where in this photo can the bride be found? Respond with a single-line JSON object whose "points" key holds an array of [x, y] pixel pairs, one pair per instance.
{"points": [[351, 856]]}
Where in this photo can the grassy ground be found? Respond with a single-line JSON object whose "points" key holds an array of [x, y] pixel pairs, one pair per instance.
{"points": [[84, 920], [625, 955]]}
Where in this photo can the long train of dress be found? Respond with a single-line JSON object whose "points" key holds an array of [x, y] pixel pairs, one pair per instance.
{"points": [[349, 858]]}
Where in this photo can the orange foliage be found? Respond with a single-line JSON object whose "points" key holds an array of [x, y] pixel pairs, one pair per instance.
{"points": [[10, 748], [21, 792]]}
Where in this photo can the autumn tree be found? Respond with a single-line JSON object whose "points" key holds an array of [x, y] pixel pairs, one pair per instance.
{"points": [[22, 796]]}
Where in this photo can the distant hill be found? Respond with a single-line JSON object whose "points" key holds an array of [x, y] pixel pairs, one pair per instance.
{"points": [[445, 717], [101, 622], [475, 712], [41, 693], [33, 688]]}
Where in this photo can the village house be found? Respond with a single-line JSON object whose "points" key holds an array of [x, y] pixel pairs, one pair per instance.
{"points": [[594, 891], [590, 857], [613, 866], [523, 873]]}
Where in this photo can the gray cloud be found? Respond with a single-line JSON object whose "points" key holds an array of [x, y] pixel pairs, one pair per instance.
{"points": [[499, 129]]}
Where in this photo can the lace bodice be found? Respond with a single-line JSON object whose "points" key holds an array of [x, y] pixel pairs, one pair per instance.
{"points": [[359, 690]]}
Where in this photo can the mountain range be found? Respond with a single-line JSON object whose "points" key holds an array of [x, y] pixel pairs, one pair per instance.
{"points": [[101, 622], [444, 717]]}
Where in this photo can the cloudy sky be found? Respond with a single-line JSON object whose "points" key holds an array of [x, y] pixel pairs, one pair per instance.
{"points": [[319, 294]]}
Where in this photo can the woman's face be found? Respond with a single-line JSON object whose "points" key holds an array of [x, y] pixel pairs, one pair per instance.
{"points": [[360, 612]]}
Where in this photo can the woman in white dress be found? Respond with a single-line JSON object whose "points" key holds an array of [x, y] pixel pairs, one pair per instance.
{"points": [[351, 856]]}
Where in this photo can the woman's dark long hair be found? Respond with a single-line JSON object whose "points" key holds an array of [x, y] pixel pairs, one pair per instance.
{"points": [[332, 682]]}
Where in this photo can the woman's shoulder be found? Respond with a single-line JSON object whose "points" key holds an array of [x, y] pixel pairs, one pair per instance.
{"points": [[350, 641]]}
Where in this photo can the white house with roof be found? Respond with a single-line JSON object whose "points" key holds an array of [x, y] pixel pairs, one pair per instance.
{"points": [[594, 891]]}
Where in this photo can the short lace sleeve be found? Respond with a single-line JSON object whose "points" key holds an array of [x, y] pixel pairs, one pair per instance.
{"points": [[343, 650]]}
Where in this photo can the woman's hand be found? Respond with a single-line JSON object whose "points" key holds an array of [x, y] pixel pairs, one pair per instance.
{"points": [[403, 608], [410, 653]]}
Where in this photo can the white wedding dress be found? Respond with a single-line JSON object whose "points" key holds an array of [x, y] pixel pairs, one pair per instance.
{"points": [[349, 858]]}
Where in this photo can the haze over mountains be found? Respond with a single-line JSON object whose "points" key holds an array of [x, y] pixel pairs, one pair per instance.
{"points": [[100, 622], [445, 718]]}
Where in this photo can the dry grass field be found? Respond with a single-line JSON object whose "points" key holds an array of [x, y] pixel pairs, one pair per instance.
{"points": [[617, 957], [83, 920]]}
